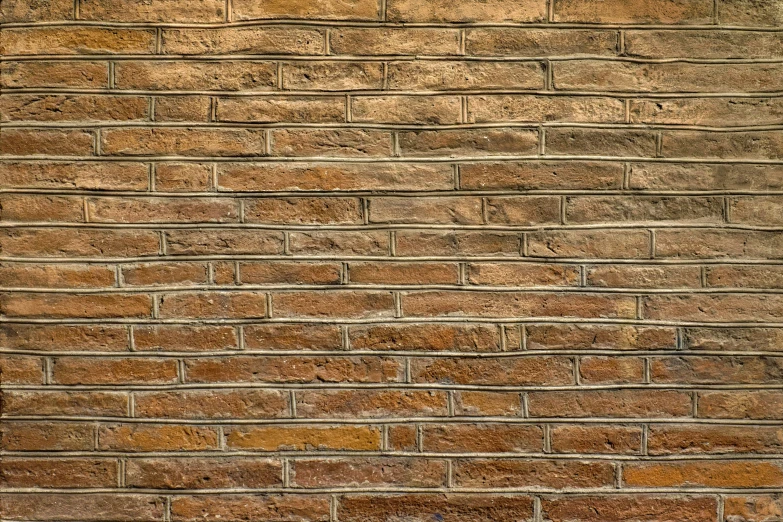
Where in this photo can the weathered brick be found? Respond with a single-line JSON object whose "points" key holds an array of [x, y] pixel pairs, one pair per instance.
{"points": [[493, 404], [758, 404], [717, 243], [371, 403], [680, 439], [301, 438], [611, 439], [182, 141], [753, 508], [703, 44], [523, 210], [415, 243], [153, 11], [431, 110], [489, 142], [751, 145], [56, 337], [442, 76], [573, 175], [618, 508], [213, 404], [516, 41], [610, 403], [21, 369], [716, 369], [535, 109], [670, 176], [184, 338], [608, 209], [467, 11], [47, 436], [109, 404], [425, 337], [56, 276], [56, 142], [457, 210], [41, 74], [152, 437], [714, 308], [182, 108], [196, 473], [403, 273], [212, 76], [482, 438], [213, 304], [205, 242], [328, 9], [64, 506], [594, 244], [600, 142], [98, 306], [309, 211], [33, 107], [451, 506], [36, 11], [77, 40], [496, 371], [611, 370], [383, 41], [331, 143], [611, 337], [183, 177], [733, 339], [57, 473], [310, 508], [733, 474], [749, 13], [332, 242], [634, 11], [238, 40], [711, 111], [268, 109], [664, 276], [521, 473], [368, 472], [81, 175], [333, 304], [79, 243], [292, 337], [84, 370], [332, 76], [29, 208]]}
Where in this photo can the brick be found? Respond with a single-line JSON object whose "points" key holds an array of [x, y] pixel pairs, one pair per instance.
{"points": [[611, 370], [716, 369], [371, 403], [294, 369], [603, 209], [600, 142], [467, 11], [538, 109], [439, 75], [58, 473], [182, 141], [292, 337], [214, 305], [47, 436], [305, 438], [330, 176], [183, 177], [182, 108], [197, 473], [239, 40], [665, 276], [680, 439], [712, 111], [523, 210], [73, 108], [31, 10], [713, 308], [79, 243], [756, 210], [175, 338], [732, 474], [668, 176], [493, 404], [282, 508], [593, 244], [56, 337], [574, 175], [752, 508], [327, 10], [332, 76], [299, 109], [152, 274], [515, 304], [610, 403], [706, 243], [368, 472], [733, 339], [333, 304], [751, 145], [456, 210], [205, 242], [56, 276], [749, 13], [150, 437], [384, 41], [84, 370], [415, 243], [21, 370], [482, 438], [598, 337], [508, 41], [666, 77], [81, 175], [24, 142], [213, 404], [490, 142], [496, 371], [172, 210], [211, 76], [403, 273], [98, 306], [309, 211], [77, 40], [29, 208], [703, 44], [609, 439], [41, 74], [102, 507], [55, 403], [153, 11], [332, 242], [425, 337], [617, 508], [402, 437], [758, 404], [331, 143], [634, 12], [522, 473], [430, 110], [290, 273]]}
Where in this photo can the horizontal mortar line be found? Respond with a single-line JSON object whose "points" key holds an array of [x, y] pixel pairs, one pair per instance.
{"points": [[393, 159], [525, 125], [409, 420], [305, 22], [391, 454], [388, 320], [381, 287], [400, 92]]}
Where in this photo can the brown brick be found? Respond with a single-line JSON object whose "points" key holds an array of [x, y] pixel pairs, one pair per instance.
{"points": [[669, 176], [205, 242], [57, 337], [183, 177], [733, 339], [619, 508], [610, 403], [599, 337], [731, 474], [371, 403], [290, 273], [305, 438], [751, 145], [294, 369], [385, 41], [197, 473], [596, 244], [332, 242], [482, 438], [109, 404], [681, 439], [535, 109], [81, 175], [184, 338], [425, 337], [470, 142], [294, 508], [56, 276], [182, 108], [611, 370], [496, 371], [573, 175], [515, 304], [77, 40], [267, 109], [101, 507], [57, 473], [716, 369], [34, 107], [521, 473], [35, 11], [430, 110], [368, 472], [523, 210], [333, 304], [327, 10], [47, 436], [634, 11], [172, 210], [715, 243], [56, 142], [467, 11], [517, 41], [152, 274], [714, 308], [213, 404], [611, 439], [84, 370], [332, 76], [757, 210], [238, 40], [21, 369], [224, 75], [214, 305], [43, 208], [417, 507], [603, 209], [309, 211], [415, 243], [600, 142], [759, 404], [749, 13], [442, 210], [99, 306], [40, 74], [753, 508], [402, 437], [79, 243], [664, 276], [183, 141], [153, 11], [292, 337], [711, 111], [438, 75], [150, 437], [331, 142], [703, 44], [403, 273]]}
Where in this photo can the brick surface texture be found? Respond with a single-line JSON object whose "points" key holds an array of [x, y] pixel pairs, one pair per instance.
{"points": [[391, 260]]}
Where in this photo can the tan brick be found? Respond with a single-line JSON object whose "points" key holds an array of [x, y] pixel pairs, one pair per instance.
{"points": [[183, 177], [21, 369], [669, 176], [703, 44], [56, 337], [757, 210], [750, 145], [56, 142], [610, 403], [332, 143], [538, 109], [223, 75], [595, 244], [327, 9], [151, 437], [733, 339], [77, 40], [611, 439], [183, 141], [305, 438], [182, 108], [731, 474], [36, 11], [521, 473], [213, 404], [384, 41], [598, 337], [267, 109], [153, 11], [333, 304], [415, 243], [573, 175], [440, 75], [493, 404], [523, 210], [41, 74], [81, 175], [242, 40], [611, 370], [522, 274], [403, 273], [200, 242], [371, 403], [153, 274], [368, 472], [456, 210], [607, 209], [715, 243], [714, 308], [482, 438], [467, 11], [664, 276], [292, 337], [716, 369], [290, 273], [430, 110], [172, 210], [600, 142], [58, 473], [314, 210], [634, 11], [56, 276], [500, 371], [35, 208], [470, 142], [711, 111], [78, 243], [34, 107], [749, 13], [332, 242], [517, 41], [213, 305], [332, 76], [70, 506]]}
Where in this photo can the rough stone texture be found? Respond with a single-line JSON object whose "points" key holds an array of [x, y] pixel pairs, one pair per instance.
{"points": [[391, 260]]}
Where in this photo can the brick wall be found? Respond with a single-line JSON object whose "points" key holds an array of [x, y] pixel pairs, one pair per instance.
{"points": [[392, 260]]}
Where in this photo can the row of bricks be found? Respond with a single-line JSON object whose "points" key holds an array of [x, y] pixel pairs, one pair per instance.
{"points": [[538, 176], [617, 75], [391, 41], [432, 337], [730, 12], [391, 109]]}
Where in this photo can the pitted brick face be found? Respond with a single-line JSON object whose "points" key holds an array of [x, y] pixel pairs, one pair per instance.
{"points": [[391, 260]]}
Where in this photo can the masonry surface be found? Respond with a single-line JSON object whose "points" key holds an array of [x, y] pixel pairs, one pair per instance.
{"points": [[393, 260]]}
